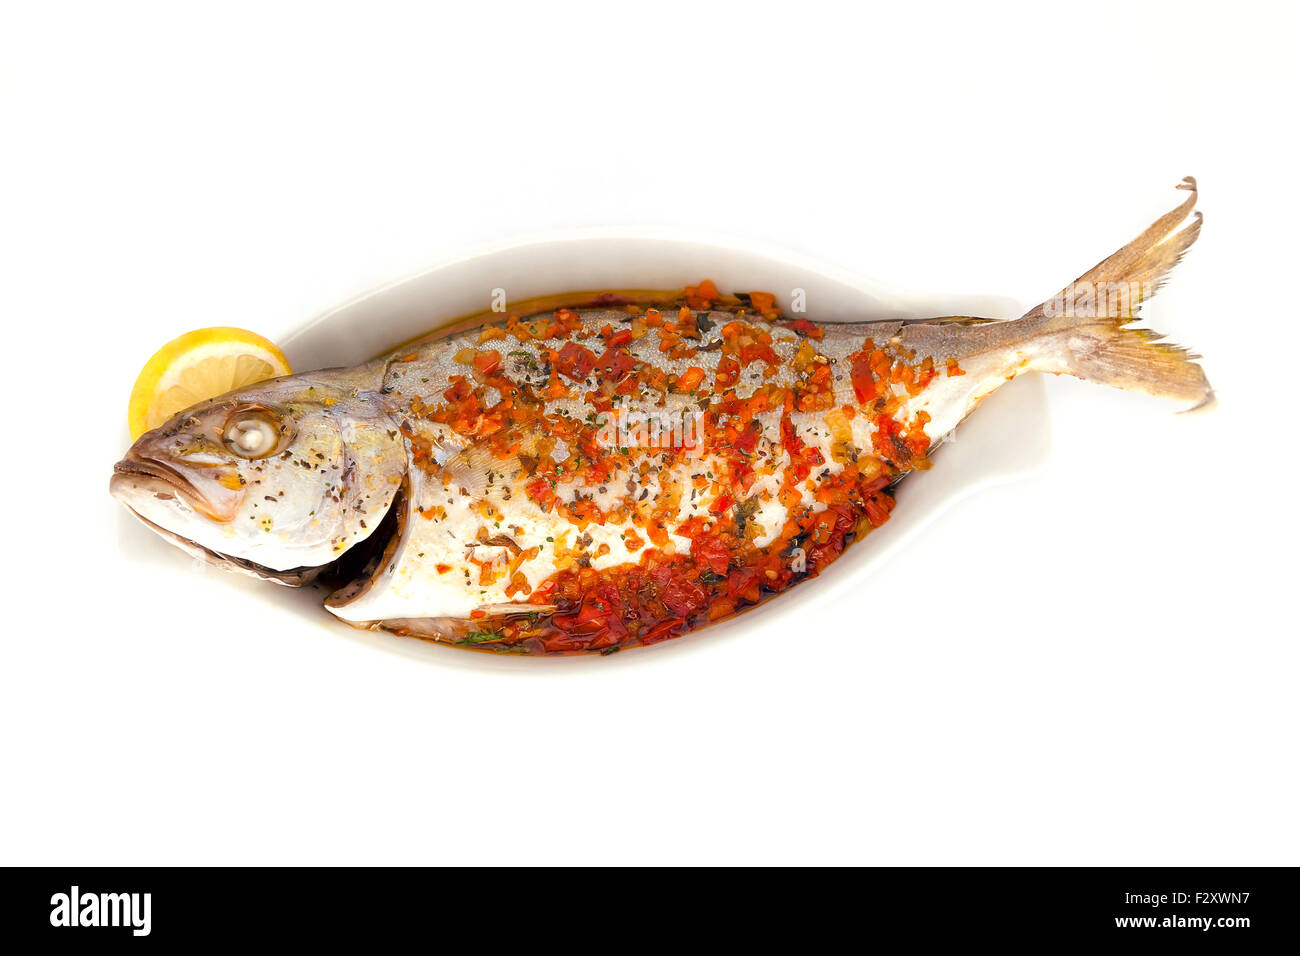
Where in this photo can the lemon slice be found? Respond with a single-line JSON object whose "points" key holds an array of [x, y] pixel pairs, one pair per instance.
{"points": [[200, 365]]}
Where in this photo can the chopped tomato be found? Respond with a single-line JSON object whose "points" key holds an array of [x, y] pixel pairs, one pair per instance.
{"points": [[701, 296], [662, 631], [575, 361], [690, 379], [764, 302], [864, 384], [615, 363], [804, 327], [682, 596], [487, 362], [711, 552]]}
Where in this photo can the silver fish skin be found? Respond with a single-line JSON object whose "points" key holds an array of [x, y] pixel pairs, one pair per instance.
{"points": [[323, 487], [494, 461]]}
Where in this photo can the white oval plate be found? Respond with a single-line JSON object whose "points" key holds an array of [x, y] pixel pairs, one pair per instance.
{"points": [[1006, 440]]}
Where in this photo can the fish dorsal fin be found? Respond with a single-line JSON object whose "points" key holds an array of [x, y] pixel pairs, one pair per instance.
{"points": [[1134, 273], [951, 320]]}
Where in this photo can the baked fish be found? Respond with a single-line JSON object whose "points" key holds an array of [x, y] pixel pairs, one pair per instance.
{"points": [[590, 479]]}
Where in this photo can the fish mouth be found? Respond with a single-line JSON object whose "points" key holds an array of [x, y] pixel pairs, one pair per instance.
{"points": [[165, 482], [360, 559], [294, 577]]}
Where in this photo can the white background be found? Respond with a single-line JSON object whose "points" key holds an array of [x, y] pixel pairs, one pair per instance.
{"points": [[1095, 665]]}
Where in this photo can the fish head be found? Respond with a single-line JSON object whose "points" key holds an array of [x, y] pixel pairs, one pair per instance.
{"points": [[277, 477]]}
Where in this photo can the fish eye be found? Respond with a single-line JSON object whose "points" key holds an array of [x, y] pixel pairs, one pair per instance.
{"points": [[252, 431]]}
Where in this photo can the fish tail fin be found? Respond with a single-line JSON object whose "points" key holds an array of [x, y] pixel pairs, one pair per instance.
{"points": [[1086, 320]]}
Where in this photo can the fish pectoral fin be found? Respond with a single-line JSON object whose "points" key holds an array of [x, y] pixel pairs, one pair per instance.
{"points": [[472, 471]]}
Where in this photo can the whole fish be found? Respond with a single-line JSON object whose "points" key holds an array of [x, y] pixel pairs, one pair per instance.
{"points": [[613, 476]]}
